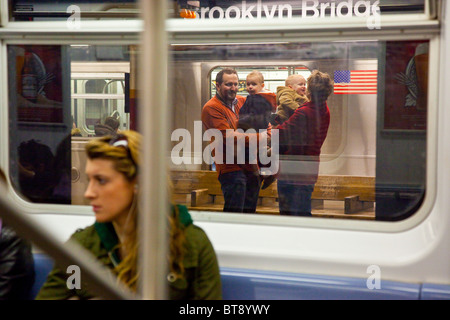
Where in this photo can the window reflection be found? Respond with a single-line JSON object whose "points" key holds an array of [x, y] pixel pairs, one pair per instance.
{"points": [[59, 97], [32, 10]]}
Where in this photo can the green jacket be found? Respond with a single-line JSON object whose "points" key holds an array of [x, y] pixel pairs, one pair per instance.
{"points": [[202, 277]]}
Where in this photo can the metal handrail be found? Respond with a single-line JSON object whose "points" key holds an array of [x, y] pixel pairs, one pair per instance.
{"points": [[153, 105]]}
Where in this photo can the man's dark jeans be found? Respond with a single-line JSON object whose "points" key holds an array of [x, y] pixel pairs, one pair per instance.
{"points": [[240, 190]]}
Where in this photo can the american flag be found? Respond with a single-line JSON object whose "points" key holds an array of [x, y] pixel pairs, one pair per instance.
{"points": [[355, 82]]}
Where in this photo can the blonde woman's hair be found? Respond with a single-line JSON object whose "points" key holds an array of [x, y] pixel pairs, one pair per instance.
{"points": [[177, 240], [320, 86], [127, 161]]}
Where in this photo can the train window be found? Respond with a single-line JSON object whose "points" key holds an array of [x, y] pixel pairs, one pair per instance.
{"points": [[60, 97], [372, 161]]}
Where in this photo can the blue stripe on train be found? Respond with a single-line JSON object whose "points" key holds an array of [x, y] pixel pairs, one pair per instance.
{"points": [[244, 284]]}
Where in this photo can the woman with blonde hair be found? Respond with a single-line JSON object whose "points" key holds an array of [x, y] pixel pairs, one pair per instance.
{"points": [[112, 168]]}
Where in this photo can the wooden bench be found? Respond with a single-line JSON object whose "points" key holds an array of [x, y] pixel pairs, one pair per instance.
{"points": [[333, 196]]}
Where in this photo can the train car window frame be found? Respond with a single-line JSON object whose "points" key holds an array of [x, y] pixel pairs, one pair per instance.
{"points": [[117, 33]]}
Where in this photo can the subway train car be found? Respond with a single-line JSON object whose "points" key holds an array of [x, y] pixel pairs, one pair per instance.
{"points": [[380, 204]]}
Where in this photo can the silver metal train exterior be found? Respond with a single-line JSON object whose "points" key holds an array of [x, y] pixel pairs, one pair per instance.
{"points": [[276, 257]]}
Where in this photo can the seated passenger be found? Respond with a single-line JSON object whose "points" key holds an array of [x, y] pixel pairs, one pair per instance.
{"points": [[112, 168], [16, 263]]}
